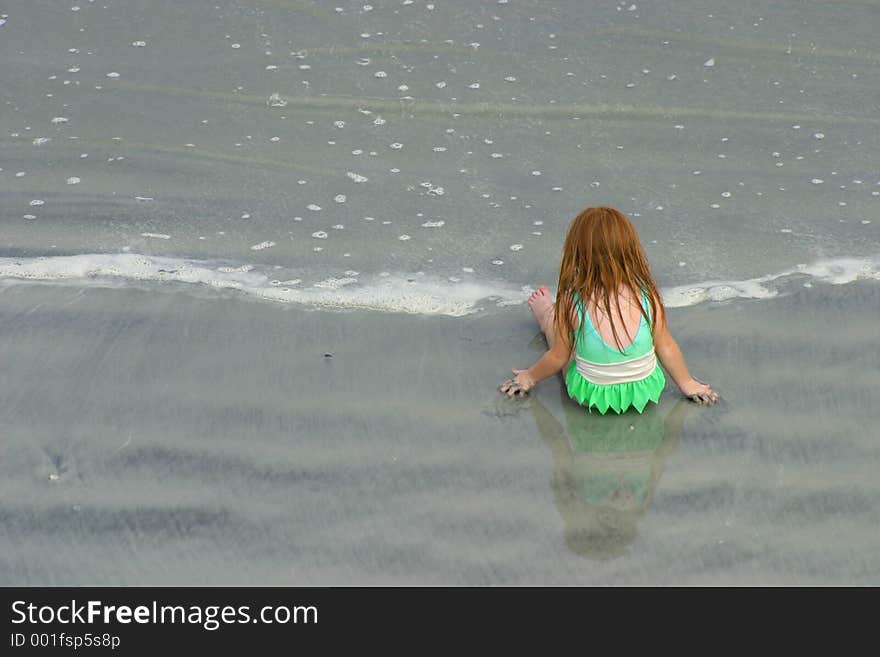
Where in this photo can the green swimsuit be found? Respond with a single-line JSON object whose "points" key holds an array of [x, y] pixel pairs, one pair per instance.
{"points": [[603, 377]]}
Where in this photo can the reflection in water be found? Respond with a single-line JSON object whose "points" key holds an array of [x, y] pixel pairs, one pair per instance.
{"points": [[605, 470]]}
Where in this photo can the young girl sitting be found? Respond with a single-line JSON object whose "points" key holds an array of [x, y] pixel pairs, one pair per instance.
{"points": [[608, 324]]}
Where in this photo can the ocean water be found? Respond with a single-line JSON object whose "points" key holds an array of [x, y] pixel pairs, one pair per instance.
{"points": [[199, 200]]}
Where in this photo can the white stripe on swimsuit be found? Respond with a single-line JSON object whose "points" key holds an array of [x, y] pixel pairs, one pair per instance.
{"points": [[626, 371]]}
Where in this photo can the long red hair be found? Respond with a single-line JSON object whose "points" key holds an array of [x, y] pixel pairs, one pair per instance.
{"points": [[601, 257]]}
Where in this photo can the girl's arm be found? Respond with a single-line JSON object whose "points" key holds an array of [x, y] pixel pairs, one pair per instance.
{"points": [[553, 360], [671, 358]]}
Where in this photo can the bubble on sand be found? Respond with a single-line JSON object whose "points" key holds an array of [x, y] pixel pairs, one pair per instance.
{"points": [[39, 141], [817, 181], [819, 135], [139, 44], [59, 119], [356, 177], [73, 180], [380, 74], [497, 262], [113, 74], [262, 245], [313, 207], [516, 247], [396, 145], [275, 100], [340, 198], [37, 202], [403, 238], [433, 224], [320, 234]]}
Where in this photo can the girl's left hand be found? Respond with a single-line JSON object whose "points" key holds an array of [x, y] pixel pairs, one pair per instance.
{"points": [[519, 385]]}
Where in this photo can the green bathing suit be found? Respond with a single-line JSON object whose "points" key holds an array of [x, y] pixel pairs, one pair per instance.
{"points": [[593, 354]]}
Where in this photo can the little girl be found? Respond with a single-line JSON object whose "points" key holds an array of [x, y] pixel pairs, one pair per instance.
{"points": [[608, 324]]}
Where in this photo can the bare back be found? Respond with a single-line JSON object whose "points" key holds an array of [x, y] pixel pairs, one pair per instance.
{"points": [[632, 317]]}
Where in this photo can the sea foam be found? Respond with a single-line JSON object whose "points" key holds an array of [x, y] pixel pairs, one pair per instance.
{"points": [[401, 293]]}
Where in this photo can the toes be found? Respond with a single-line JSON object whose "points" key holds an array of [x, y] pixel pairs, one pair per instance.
{"points": [[540, 291]]}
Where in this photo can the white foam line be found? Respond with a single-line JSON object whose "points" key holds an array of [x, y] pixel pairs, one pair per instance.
{"points": [[392, 293], [835, 271]]}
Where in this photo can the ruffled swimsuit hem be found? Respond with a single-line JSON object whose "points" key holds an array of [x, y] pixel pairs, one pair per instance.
{"points": [[619, 397]]}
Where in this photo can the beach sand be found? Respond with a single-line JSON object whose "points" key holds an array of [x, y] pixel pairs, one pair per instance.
{"points": [[153, 437]]}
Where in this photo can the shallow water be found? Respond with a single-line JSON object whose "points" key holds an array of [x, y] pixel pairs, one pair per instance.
{"points": [[190, 192], [329, 138]]}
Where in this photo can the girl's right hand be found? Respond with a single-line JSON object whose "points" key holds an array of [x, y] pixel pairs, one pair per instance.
{"points": [[699, 392]]}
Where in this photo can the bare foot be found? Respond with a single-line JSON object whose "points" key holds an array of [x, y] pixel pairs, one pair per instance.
{"points": [[541, 304]]}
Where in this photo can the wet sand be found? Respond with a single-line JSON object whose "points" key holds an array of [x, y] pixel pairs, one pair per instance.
{"points": [[155, 437]]}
